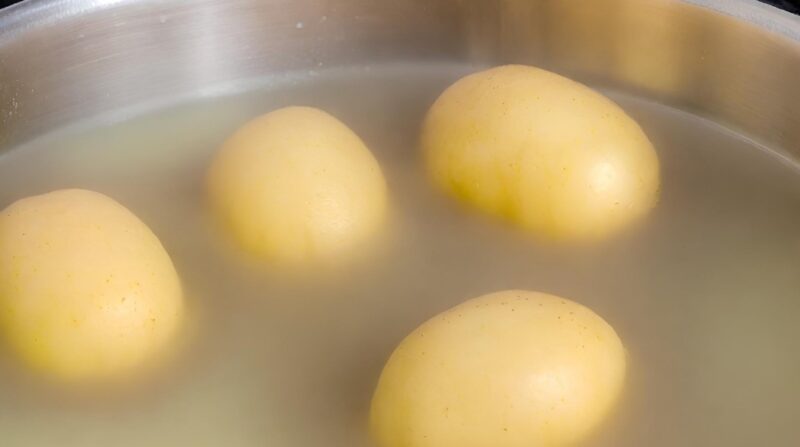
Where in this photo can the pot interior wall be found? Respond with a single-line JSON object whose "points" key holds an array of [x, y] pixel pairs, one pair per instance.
{"points": [[66, 60]]}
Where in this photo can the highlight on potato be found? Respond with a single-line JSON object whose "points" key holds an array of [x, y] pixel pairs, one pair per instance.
{"points": [[297, 185], [544, 152], [87, 291], [506, 369]]}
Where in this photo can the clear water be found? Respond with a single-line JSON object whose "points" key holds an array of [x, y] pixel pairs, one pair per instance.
{"points": [[705, 294]]}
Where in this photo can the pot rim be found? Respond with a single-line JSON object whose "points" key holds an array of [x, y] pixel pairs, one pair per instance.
{"points": [[34, 13]]}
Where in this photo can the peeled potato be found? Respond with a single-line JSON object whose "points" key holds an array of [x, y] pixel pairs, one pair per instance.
{"points": [[542, 151], [86, 289], [297, 184], [507, 369]]}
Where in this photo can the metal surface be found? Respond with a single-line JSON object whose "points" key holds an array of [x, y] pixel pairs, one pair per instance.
{"points": [[736, 61]]}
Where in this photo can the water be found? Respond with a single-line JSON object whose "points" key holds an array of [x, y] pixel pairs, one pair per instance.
{"points": [[705, 294]]}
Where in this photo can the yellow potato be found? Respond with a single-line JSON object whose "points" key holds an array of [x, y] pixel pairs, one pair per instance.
{"points": [[542, 151], [87, 291], [508, 369], [297, 184]]}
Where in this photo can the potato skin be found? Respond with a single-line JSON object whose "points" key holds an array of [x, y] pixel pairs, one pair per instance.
{"points": [[295, 185], [541, 151], [507, 369], [87, 291]]}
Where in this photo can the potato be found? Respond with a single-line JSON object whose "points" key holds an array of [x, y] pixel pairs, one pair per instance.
{"points": [[296, 185], [87, 292], [511, 368], [542, 151]]}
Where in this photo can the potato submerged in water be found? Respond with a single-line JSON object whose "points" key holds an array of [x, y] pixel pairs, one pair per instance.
{"points": [[507, 369], [297, 184], [87, 291], [542, 151]]}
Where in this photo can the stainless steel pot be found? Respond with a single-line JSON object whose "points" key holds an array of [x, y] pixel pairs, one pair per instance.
{"points": [[736, 61]]}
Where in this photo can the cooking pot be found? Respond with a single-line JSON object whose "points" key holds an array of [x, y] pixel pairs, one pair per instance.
{"points": [[733, 63]]}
